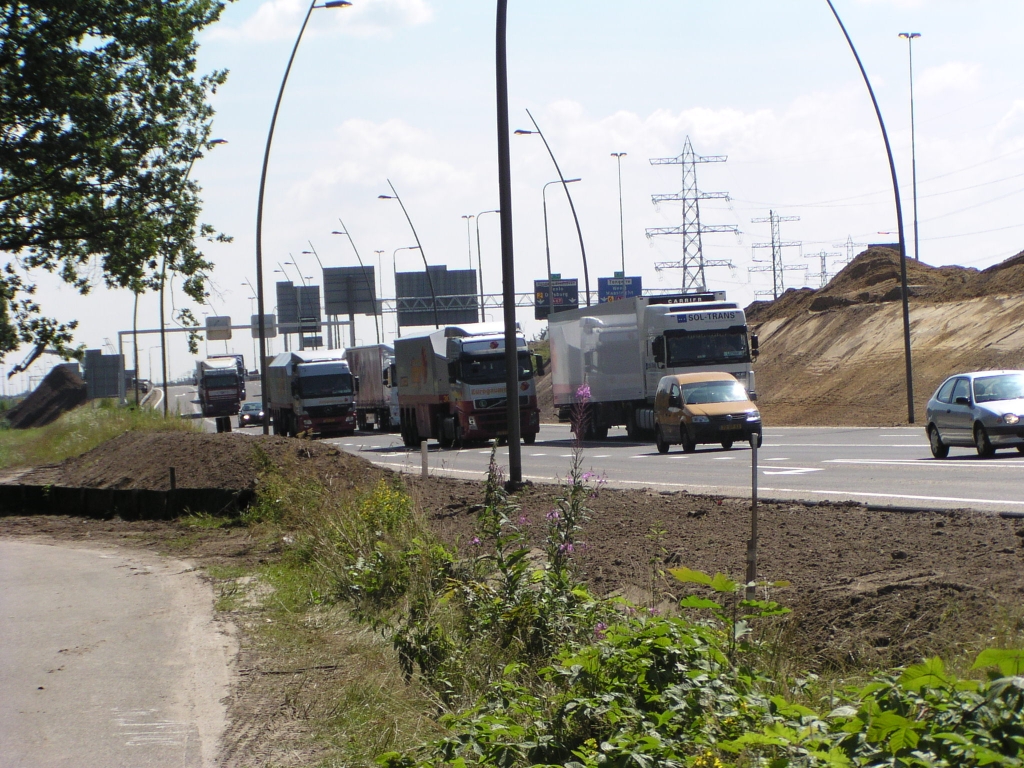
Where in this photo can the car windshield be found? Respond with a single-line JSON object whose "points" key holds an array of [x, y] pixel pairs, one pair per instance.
{"points": [[1006, 386], [714, 392], [490, 369], [706, 347], [251, 407], [327, 385]]}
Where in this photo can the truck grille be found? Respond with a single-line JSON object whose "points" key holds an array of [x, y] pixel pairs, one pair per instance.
{"points": [[325, 411], [497, 402]]}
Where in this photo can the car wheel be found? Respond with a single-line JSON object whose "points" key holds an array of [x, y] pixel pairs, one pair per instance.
{"points": [[727, 444], [659, 441], [939, 449], [689, 444], [1020, 449], [982, 443]]}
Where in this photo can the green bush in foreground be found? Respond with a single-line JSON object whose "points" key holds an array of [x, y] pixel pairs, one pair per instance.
{"points": [[81, 430]]}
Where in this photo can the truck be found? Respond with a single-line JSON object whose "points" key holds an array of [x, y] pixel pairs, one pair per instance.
{"points": [[239, 364], [376, 398], [451, 386], [607, 360], [311, 393], [219, 391]]}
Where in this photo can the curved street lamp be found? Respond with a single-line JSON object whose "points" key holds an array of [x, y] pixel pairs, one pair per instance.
{"points": [[479, 260], [547, 245], [899, 221], [430, 281], [259, 205], [394, 270], [366, 277], [572, 207]]}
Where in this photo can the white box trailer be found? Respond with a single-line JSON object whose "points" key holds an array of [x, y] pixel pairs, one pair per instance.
{"points": [[376, 396], [622, 349]]}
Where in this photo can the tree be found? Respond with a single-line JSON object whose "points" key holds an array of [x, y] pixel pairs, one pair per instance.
{"points": [[101, 119]]}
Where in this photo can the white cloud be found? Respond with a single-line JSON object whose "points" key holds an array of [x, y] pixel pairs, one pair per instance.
{"points": [[951, 76], [280, 19]]}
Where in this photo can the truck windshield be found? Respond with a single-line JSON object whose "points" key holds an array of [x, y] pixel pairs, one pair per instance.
{"points": [[705, 348], [490, 369], [221, 380], [326, 385]]}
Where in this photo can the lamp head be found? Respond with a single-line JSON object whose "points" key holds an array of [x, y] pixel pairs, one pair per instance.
{"points": [[336, 4], [909, 35], [522, 132], [385, 197]]}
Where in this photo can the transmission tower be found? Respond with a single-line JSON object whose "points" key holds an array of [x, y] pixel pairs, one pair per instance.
{"points": [[693, 262], [824, 276], [849, 245], [777, 268]]}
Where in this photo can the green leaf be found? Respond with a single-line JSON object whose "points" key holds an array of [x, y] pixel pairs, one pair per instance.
{"points": [[1010, 662], [722, 583], [930, 674], [699, 602], [903, 738], [688, 576]]}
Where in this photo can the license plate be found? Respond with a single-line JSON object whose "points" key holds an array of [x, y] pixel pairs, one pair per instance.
{"points": [[731, 426]]}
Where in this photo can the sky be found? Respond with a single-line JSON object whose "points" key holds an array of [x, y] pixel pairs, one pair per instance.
{"points": [[403, 90]]}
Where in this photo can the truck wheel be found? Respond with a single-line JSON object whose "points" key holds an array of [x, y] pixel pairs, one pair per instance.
{"points": [[446, 432], [220, 426], [227, 423], [530, 438], [727, 444]]}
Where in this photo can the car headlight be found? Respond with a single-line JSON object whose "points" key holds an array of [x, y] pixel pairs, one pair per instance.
{"points": [[1010, 418], [753, 416], [700, 419], [261, 414]]}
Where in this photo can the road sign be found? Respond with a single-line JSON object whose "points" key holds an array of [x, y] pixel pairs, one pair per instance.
{"points": [[218, 328], [565, 296], [616, 288], [269, 326]]}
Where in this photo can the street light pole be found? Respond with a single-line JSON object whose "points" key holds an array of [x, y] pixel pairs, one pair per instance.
{"points": [[366, 277], [259, 206], [899, 221], [479, 261], [430, 281], [469, 238], [622, 237], [394, 269], [909, 37], [547, 245], [572, 207]]}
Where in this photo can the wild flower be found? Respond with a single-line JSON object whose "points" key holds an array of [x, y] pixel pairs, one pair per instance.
{"points": [[475, 541], [599, 630], [583, 393], [553, 515]]}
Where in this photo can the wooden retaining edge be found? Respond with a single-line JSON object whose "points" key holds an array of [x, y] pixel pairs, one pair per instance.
{"points": [[127, 504]]}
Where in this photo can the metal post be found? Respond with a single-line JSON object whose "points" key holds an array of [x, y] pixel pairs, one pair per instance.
{"points": [[515, 457], [622, 236], [751, 590], [479, 261]]}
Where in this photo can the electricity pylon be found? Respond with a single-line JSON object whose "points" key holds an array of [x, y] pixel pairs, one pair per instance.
{"points": [[777, 268]]}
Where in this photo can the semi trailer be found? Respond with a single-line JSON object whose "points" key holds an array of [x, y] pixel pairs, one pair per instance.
{"points": [[376, 397], [311, 393], [607, 360], [217, 380], [451, 386]]}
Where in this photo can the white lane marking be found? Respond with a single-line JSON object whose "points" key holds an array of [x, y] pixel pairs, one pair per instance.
{"points": [[602, 456], [791, 471], [723, 458], [911, 497], [940, 463], [922, 444], [785, 459], [538, 454]]}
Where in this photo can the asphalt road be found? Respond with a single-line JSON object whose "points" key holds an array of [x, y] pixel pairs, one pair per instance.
{"points": [[109, 658], [879, 466]]}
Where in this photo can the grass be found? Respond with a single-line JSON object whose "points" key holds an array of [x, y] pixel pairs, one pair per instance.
{"points": [[79, 431]]}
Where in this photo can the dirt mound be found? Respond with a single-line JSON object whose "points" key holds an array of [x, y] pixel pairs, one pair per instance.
{"points": [[835, 356], [59, 392], [142, 461]]}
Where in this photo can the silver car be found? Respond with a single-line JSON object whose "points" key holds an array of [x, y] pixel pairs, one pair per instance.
{"points": [[984, 409]]}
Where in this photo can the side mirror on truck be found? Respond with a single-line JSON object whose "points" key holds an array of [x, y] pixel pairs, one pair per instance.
{"points": [[538, 364], [355, 384], [753, 346], [658, 349]]}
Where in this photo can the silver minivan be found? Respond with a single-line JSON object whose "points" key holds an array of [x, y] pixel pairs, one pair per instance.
{"points": [[983, 409]]}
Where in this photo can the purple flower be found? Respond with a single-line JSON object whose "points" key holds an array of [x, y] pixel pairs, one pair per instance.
{"points": [[523, 520], [475, 541], [599, 630], [583, 393], [553, 515], [567, 548]]}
